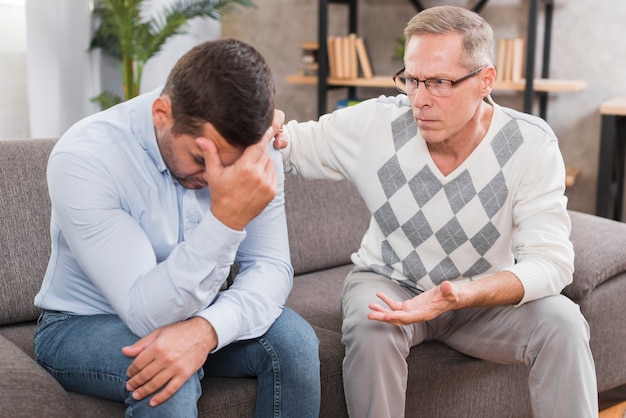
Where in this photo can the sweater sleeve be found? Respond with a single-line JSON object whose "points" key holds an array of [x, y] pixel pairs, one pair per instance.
{"points": [[328, 148], [541, 245]]}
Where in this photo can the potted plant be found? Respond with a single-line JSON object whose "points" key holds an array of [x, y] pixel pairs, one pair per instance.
{"points": [[123, 34]]}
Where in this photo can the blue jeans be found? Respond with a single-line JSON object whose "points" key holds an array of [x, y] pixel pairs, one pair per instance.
{"points": [[84, 353]]}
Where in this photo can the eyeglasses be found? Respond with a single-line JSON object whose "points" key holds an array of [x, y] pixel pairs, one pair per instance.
{"points": [[436, 86]]}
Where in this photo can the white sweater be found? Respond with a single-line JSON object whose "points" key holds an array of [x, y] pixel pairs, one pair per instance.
{"points": [[503, 208]]}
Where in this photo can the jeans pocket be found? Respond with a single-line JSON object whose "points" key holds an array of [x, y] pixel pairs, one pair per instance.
{"points": [[45, 325]]}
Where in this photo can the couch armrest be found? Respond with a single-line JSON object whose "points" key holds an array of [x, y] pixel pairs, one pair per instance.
{"points": [[26, 389], [600, 248]]}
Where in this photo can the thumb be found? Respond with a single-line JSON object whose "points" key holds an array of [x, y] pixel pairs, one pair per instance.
{"points": [[280, 142], [446, 288]]}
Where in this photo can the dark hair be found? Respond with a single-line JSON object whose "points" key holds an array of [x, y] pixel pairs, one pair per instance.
{"points": [[224, 82]]}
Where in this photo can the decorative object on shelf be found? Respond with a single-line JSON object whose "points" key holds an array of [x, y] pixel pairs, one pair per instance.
{"points": [[341, 103], [123, 34], [309, 58]]}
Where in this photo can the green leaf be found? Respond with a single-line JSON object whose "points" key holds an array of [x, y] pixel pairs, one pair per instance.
{"points": [[124, 35], [106, 100]]}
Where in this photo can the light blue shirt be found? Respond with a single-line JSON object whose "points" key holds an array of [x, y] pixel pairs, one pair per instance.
{"points": [[128, 239]]}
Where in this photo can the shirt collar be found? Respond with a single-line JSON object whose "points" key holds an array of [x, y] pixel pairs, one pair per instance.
{"points": [[142, 127]]}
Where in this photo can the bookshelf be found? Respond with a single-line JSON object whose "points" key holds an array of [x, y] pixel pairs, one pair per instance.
{"points": [[532, 87]]}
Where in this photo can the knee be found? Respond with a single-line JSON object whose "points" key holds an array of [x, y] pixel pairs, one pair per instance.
{"points": [[564, 321], [182, 404], [289, 328], [368, 337]]}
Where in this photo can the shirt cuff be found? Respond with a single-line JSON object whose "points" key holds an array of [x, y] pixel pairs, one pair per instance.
{"points": [[224, 320], [533, 280]]}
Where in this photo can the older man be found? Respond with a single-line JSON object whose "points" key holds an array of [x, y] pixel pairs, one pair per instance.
{"points": [[469, 238]]}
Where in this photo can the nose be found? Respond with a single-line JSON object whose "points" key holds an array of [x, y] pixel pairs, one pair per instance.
{"points": [[421, 97]]}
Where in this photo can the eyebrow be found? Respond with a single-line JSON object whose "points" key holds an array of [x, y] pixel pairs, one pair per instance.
{"points": [[436, 77]]}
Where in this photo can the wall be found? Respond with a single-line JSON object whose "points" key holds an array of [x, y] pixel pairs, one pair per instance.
{"points": [[63, 74], [198, 30], [13, 94], [587, 43]]}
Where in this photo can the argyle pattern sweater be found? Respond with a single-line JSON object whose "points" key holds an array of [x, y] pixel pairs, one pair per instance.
{"points": [[503, 208]]}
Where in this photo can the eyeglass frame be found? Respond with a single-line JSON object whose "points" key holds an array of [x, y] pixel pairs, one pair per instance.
{"points": [[453, 83]]}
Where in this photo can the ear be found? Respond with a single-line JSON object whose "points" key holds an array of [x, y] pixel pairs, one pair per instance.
{"points": [[488, 80], [161, 112]]}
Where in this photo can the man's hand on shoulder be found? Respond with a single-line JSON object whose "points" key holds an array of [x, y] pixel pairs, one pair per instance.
{"points": [[280, 141], [167, 357]]}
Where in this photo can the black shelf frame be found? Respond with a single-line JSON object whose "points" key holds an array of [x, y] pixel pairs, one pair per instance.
{"points": [[322, 55], [531, 47]]}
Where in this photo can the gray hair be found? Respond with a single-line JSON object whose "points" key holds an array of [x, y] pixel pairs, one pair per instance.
{"points": [[478, 39]]}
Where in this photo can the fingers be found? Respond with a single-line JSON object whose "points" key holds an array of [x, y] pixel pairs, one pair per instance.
{"points": [[394, 305], [166, 380], [279, 120], [155, 370], [168, 391], [213, 163], [135, 350], [385, 315], [239, 192], [396, 313], [257, 154], [256, 157], [168, 357], [281, 140], [378, 308], [147, 381]]}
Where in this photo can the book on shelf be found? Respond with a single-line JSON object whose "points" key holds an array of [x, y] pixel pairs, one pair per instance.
{"points": [[341, 56], [353, 69], [510, 59], [364, 60], [348, 58], [330, 48]]}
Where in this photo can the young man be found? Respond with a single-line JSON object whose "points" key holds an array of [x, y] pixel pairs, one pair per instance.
{"points": [[153, 201], [469, 239]]}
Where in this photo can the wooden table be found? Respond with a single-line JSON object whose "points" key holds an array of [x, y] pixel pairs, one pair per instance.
{"points": [[610, 191]]}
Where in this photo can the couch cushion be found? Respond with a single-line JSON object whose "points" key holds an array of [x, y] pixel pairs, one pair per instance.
{"points": [[317, 245], [21, 335], [27, 390], [317, 296], [605, 310], [25, 224], [600, 248]]}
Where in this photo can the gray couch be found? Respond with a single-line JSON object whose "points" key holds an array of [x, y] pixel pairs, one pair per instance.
{"points": [[326, 221]]}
